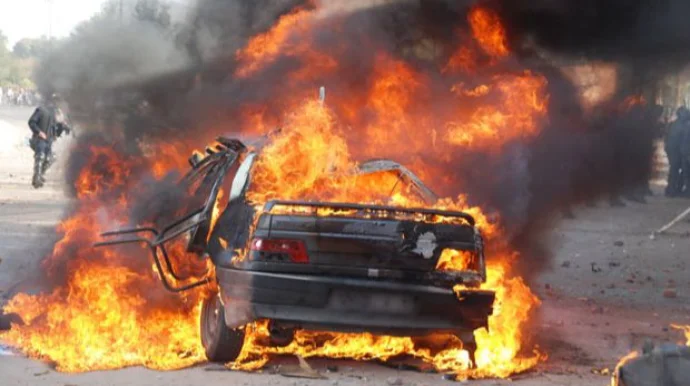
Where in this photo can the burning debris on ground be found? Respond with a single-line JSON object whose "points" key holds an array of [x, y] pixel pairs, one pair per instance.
{"points": [[466, 95]]}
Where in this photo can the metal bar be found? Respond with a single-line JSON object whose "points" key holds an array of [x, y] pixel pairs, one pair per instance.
{"points": [[124, 241], [335, 205], [162, 239], [165, 281], [156, 245], [180, 221], [128, 231]]}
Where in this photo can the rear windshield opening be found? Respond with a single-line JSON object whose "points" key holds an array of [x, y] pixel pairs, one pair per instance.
{"points": [[455, 260]]}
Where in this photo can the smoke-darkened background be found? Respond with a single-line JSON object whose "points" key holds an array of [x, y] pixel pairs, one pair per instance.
{"points": [[156, 76]]}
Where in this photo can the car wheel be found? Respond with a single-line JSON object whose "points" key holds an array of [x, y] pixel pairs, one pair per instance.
{"points": [[221, 343]]}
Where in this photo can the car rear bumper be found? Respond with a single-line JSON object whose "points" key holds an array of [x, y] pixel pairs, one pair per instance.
{"points": [[347, 304]]}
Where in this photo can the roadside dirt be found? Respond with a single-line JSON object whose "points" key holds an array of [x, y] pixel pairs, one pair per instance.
{"points": [[602, 297]]}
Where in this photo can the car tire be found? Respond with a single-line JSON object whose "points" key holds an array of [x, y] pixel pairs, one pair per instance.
{"points": [[221, 343]]}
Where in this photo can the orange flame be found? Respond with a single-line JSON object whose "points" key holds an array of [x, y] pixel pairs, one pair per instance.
{"points": [[488, 31], [684, 329], [111, 312]]}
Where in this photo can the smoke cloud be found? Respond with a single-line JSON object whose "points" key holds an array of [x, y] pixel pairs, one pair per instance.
{"points": [[186, 77]]}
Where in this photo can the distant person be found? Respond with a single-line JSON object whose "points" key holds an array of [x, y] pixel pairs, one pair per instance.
{"points": [[672, 145], [685, 160], [47, 124], [10, 96]]}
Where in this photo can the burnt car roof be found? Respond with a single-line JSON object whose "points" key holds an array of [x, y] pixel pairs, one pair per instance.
{"points": [[378, 165]]}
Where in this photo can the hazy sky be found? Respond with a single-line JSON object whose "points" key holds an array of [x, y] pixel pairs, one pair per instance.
{"points": [[31, 18]]}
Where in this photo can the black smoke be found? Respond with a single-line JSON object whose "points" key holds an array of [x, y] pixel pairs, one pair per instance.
{"points": [[186, 86]]}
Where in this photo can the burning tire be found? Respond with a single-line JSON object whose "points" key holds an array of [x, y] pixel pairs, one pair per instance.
{"points": [[221, 343]]}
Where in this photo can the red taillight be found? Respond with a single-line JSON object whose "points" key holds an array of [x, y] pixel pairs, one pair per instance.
{"points": [[295, 249]]}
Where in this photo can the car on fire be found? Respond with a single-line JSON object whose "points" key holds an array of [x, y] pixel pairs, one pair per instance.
{"points": [[320, 266]]}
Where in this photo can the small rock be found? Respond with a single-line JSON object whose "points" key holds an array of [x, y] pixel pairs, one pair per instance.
{"points": [[394, 381], [619, 243], [614, 264], [566, 264], [611, 286], [547, 286], [670, 293]]}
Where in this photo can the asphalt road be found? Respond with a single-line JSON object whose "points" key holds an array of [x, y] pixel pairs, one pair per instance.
{"points": [[589, 317]]}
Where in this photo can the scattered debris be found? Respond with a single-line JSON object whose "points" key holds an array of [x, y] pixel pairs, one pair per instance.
{"points": [[605, 371], [598, 310], [332, 369], [614, 264], [670, 293], [41, 373], [547, 286], [619, 243], [394, 381], [566, 264], [216, 368], [304, 370], [595, 268], [449, 377]]}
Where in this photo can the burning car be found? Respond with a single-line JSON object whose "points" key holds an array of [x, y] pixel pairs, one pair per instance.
{"points": [[319, 265]]}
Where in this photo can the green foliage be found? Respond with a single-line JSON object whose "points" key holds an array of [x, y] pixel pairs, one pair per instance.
{"points": [[15, 71], [33, 48]]}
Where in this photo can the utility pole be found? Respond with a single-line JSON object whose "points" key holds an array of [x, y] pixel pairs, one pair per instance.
{"points": [[50, 18]]}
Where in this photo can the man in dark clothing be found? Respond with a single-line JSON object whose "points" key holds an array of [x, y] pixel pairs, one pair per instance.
{"points": [[685, 160], [47, 124], [672, 145]]}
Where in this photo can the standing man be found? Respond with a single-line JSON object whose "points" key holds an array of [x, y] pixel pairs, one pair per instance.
{"points": [[672, 145], [47, 124], [685, 160]]}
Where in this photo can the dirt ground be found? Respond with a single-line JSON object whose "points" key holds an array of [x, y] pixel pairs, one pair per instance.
{"points": [[602, 297]]}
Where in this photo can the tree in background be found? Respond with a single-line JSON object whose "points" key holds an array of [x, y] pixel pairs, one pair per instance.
{"points": [[33, 48], [14, 71]]}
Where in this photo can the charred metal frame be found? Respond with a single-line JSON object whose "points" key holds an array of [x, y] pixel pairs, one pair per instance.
{"points": [[466, 276], [158, 244], [370, 208]]}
